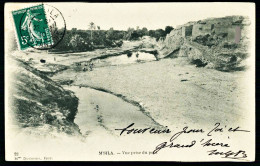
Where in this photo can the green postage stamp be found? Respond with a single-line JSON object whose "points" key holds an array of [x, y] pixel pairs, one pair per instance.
{"points": [[32, 28]]}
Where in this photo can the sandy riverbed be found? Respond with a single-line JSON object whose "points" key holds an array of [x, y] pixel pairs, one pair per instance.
{"points": [[173, 91]]}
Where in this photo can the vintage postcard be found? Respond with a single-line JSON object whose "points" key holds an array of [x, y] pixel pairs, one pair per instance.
{"points": [[130, 82]]}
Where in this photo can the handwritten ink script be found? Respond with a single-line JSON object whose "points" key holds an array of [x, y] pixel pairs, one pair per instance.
{"points": [[207, 141]]}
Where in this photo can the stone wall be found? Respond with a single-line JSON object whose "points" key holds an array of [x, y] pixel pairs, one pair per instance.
{"points": [[187, 31], [231, 32], [234, 34], [201, 29], [221, 29], [209, 32]]}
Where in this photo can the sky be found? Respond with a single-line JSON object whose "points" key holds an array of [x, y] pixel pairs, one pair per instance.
{"points": [[120, 16]]}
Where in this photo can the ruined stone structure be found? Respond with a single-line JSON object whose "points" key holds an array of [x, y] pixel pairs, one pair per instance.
{"points": [[210, 42], [174, 37], [201, 29], [231, 32], [234, 34], [222, 28], [187, 31]]}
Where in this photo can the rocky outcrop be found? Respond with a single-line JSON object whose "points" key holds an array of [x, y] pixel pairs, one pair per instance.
{"points": [[219, 43], [171, 44], [39, 105]]}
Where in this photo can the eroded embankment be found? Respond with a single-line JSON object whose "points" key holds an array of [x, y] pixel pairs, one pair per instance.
{"points": [[39, 105]]}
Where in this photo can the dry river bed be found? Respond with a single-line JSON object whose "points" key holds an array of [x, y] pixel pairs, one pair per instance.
{"points": [[171, 92]]}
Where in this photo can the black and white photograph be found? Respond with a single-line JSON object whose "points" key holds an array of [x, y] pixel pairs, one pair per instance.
{"points": [[129, 81]]}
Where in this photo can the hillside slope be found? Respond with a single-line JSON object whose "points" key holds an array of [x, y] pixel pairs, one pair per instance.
{"points": [[39, 105]]}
